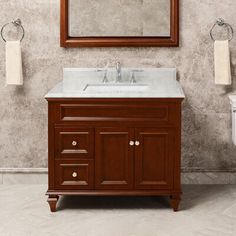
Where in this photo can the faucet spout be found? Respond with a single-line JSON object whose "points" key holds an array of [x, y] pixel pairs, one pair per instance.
{"points": [[118, 72]]}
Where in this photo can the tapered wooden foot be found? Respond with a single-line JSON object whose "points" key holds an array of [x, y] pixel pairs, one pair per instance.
{"points": [[174, 201], [52, 201]]}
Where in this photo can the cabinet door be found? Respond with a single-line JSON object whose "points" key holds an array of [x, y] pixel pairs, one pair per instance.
{"points": [[114, 158], [154, 158]]}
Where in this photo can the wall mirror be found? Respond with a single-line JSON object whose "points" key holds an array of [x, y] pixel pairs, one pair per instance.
{"points": [[105, 23]]}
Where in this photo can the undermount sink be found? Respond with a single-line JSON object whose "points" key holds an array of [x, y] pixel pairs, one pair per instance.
{"points": [[115, 87]]}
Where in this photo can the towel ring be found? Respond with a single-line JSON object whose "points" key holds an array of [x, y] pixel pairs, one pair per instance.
{"points": [[220, 22], [16, 23]]}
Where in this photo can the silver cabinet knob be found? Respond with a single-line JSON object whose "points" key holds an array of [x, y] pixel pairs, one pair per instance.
{"points": [[131, 143], [137, 143], [74, 143], [74, 174]]}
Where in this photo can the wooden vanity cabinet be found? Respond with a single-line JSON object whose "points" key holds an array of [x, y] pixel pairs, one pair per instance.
{"points": [[119, 147]]}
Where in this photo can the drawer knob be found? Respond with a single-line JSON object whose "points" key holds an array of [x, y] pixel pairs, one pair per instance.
{"points": [[74, 143], [74, 174], [137, 143], [131, 143]]}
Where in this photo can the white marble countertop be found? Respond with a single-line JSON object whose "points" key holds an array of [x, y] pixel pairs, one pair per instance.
{"points": [[232, 98], [161, 83]]}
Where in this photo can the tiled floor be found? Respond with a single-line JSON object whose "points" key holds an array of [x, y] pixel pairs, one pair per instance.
{"points": [[205, 210]]}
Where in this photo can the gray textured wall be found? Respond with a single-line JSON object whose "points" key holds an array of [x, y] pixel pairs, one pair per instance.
{"points": [[206, 112]]}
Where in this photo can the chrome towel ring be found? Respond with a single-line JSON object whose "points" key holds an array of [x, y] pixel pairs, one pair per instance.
{"points": [[16, 23], [220, 22]]}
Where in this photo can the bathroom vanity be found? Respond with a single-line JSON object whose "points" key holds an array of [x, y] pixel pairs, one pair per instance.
{"points": [[119, 139], [232, 98]]}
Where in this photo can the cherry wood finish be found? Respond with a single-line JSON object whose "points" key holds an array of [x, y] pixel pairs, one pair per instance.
{"points": [[52, 201], [153, 158], [172, 41], [161, 192], [116, 110], [114, 147], [74, 174], [77, 143], [174, 201], [114, 158]]}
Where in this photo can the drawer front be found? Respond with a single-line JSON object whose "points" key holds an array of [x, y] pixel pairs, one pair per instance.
{"points": [[74, 142], [74, 174], [115, 111]]}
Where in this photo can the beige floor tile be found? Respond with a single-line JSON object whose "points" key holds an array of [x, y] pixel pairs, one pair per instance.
{"points": [[205, 210]]}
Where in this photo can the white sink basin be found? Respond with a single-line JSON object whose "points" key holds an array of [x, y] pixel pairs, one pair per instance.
{"points": [[119, 87], [87, 83]]}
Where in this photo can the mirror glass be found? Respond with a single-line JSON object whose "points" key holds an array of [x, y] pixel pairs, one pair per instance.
{"points": [[119, 18]]}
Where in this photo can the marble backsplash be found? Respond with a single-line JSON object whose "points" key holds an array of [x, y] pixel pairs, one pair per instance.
{"points": [[207, 144]]}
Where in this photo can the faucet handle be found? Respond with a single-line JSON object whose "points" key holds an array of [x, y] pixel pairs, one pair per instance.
{"points": [[118, 65], [101, 70], [105, 79], [137, 70], [133, 80], [118, 72]]}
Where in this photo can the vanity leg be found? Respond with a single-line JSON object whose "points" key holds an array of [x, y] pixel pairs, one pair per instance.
{"points": [[52, 201], [174, 201]]}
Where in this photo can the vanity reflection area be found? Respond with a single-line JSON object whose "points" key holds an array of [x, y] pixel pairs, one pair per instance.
{"points": [[115, 131], [89, 23]]}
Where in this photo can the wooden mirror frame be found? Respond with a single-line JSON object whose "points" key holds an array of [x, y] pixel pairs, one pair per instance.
{"points": [[172, 41]]}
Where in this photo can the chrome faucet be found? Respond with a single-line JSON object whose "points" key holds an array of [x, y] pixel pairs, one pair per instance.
{"points": [[105, 79], [133, 80], [118, 72]]}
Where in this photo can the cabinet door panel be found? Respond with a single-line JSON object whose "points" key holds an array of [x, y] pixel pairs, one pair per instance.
{"points": [[114, 158], [154, 158]]}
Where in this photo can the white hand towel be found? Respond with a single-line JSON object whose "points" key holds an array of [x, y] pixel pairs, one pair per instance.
{"points": [[14, 75], [222, 63]]}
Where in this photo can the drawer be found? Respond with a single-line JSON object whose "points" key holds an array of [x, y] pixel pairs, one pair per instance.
{"points": [[74, 142], [74, 174], [114, 111]]}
